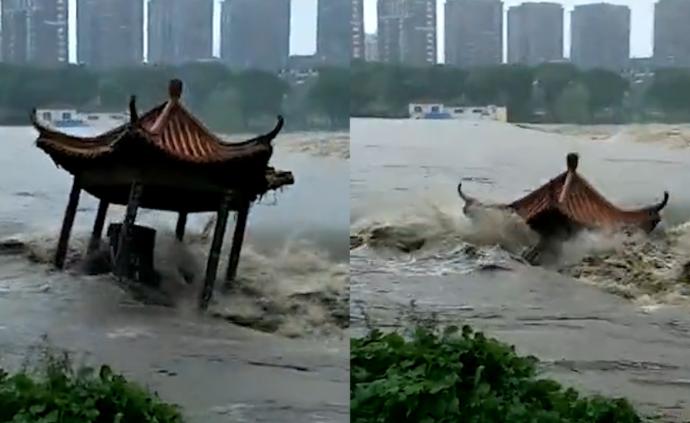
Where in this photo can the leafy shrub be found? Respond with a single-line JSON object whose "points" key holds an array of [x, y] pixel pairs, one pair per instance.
{"points": [[462, 377], [58, 394]]}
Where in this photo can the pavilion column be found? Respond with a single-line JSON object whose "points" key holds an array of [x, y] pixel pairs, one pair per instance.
{"points": [[97, 232], [67, 223], [181, 224], [122, 254], [237, 239], [214, 255]]}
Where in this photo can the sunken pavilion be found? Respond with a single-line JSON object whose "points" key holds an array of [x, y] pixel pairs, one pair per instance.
{"points": [[164, 159], [568, 203]]}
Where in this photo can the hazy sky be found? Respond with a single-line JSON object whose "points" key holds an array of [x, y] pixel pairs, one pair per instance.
{"points": [[642, 18], [302, 37]]}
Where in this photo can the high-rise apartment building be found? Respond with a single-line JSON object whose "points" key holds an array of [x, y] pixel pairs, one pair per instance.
{"points": [[35, 32], [110, 32], [407, 31], [333, 33], [357, 29], [255, 34], [600, 36], [672, 33], [535, 33], [180, 31], [474, 32]]}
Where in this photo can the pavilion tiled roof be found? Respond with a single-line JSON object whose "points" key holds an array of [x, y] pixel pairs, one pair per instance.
{"points": [[169, 127]]}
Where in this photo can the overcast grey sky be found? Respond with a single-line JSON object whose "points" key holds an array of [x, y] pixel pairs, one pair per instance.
{"points": [[302, 37], [642, 12]]}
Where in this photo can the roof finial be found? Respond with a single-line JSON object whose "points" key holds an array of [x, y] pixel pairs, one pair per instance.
{"points": [[175, 89], [663, 202], [133, 115], [571, 160]]}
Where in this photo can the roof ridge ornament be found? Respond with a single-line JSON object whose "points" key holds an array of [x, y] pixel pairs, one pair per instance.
{"points": [[571, 161], [175, 92], [40, 127], [33, 116], [175, 89], [133, 114], [662, 204], [267, 138]]}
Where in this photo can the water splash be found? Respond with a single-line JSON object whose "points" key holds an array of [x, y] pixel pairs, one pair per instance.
{"points": [[651, 270], [435, 228], [298, 290]]}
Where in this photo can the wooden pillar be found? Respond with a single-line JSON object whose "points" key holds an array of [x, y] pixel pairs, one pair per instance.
{"points": [[237, 239], [181, 224], [122, 254], [67, 223], [97, 232], [214, 255]]}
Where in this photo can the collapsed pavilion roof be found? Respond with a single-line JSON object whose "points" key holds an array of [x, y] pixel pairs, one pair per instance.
{"points": [[570, 200], [182, 165]]}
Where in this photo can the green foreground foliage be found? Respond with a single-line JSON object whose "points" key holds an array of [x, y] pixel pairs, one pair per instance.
{"points": [[57, 394], [548, 93], [462, 377], [226, 100]]}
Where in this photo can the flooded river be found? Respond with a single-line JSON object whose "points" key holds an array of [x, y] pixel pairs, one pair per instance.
{"points": [[288, 361], [613, 316]]}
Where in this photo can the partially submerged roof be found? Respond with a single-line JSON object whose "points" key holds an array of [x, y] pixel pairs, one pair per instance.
{"points": [[171, 151], [570, 199]]}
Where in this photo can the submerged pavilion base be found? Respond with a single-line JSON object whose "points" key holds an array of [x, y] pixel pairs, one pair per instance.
{"points": [[139, 254], [547, 251]]}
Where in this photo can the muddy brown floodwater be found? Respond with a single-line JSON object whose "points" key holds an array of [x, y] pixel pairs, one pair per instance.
{"points": [[272, 347], [612, 317]]}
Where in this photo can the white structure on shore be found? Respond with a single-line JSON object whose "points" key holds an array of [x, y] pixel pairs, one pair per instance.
{"points": [[441, 111], [71, 118]]}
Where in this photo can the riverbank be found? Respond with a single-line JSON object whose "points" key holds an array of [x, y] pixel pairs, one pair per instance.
{"points": [[597, 343], [439, 374]]}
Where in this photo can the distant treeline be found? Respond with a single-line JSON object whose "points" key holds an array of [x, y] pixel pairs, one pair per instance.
{"points": [[553, 93], [225, 100]]}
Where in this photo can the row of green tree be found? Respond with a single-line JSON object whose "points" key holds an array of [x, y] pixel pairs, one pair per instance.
{"points": [[236, 101], [226, 100], [555, 92]]}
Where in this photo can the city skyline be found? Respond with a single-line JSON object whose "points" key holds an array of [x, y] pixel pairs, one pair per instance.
{"points": [[642, 23], [302, 36]]}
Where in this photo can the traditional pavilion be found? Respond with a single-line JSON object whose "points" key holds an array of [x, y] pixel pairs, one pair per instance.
{"points": [[568, 203], [165, 159]]}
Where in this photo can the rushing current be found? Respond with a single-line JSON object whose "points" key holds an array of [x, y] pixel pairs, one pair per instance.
{"points": [[267, 340], [612, 316]]}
